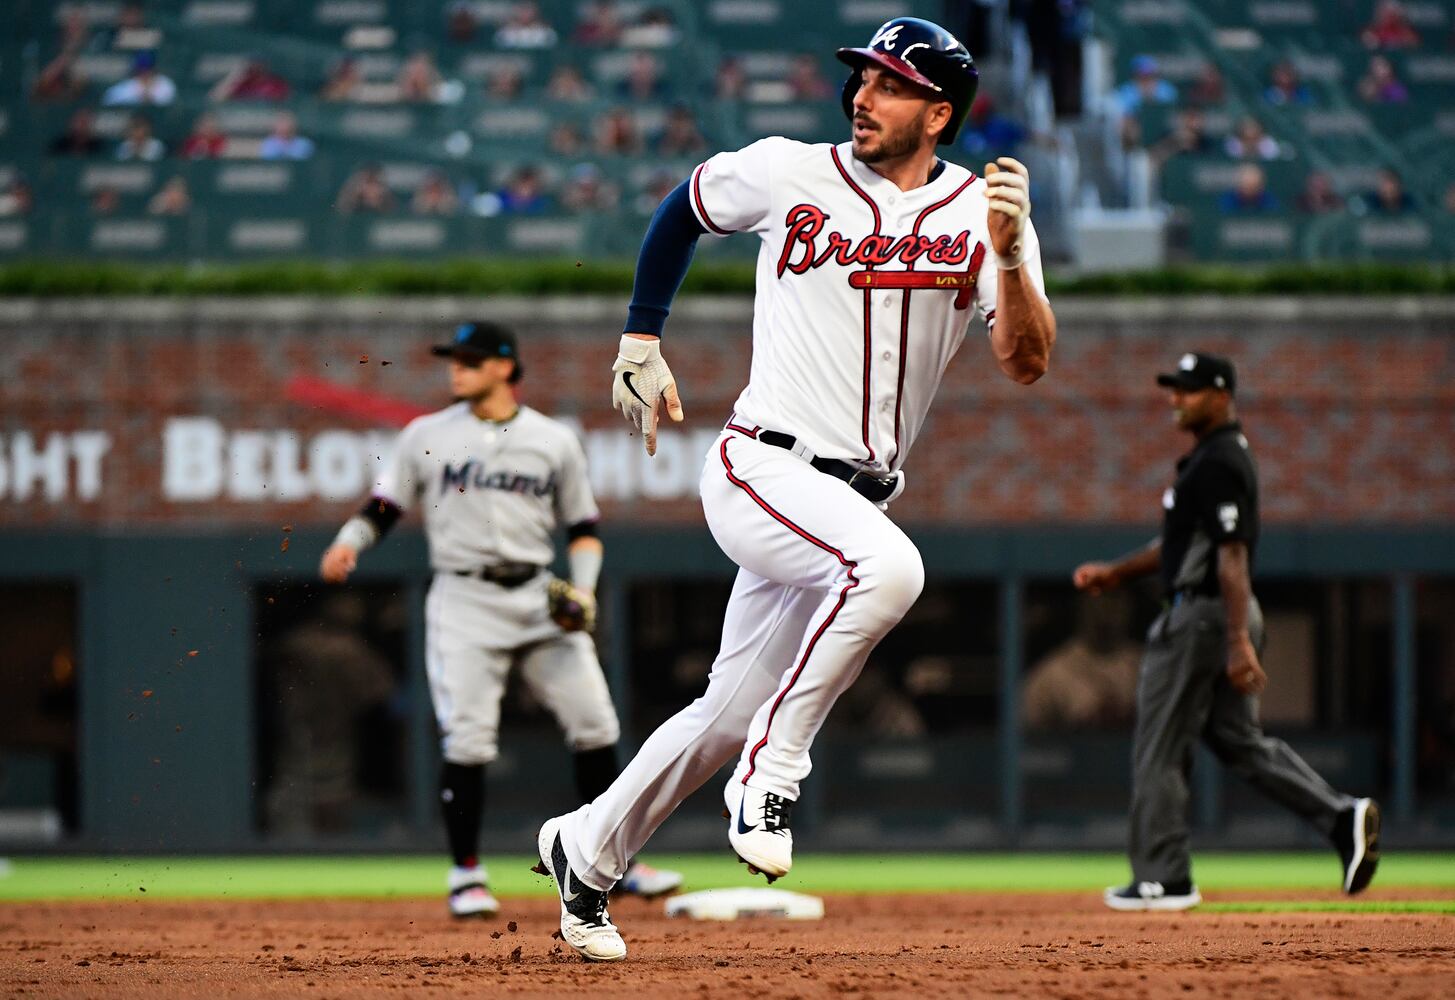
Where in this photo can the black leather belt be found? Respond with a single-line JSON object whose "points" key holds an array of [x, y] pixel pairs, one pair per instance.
{"points": [[867, 485], [505, 575]]}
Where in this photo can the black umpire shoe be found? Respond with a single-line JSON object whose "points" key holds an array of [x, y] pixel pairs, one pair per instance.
{"points": [[1140, 897], [585, 925], [1356, 836]]}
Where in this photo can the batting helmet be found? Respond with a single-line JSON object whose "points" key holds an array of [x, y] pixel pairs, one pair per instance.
{"points": [[925, 53]]}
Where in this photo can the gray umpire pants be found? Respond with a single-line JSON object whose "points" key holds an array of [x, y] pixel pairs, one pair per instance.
{"points": [[1183, 693]]}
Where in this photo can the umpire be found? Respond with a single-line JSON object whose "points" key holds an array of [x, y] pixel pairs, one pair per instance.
{"points": [[1200, 674]]}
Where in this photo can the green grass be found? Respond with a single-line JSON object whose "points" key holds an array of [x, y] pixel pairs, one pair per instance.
{"points": [[382, 876]]}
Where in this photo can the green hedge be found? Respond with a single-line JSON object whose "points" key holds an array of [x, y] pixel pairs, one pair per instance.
{"points": [[566, 277]]}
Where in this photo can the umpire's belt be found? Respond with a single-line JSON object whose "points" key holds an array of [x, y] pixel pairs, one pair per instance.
{"points": [[869, 486], [505, 574]]}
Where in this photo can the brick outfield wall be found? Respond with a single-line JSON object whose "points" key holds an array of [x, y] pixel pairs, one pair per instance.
{"points": [[1349, 404]]}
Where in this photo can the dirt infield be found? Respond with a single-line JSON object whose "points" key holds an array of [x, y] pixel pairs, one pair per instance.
{"points": [[869, 946]]}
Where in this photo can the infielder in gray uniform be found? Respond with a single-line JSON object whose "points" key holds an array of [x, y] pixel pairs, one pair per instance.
{"points": [[1201, 673], [495, 480]]}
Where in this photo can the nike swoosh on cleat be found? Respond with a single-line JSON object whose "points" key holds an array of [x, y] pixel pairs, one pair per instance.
{"points": [[626, 380], [743, 827]]}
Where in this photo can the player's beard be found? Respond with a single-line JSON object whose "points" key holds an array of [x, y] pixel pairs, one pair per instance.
{"points": [[896, 144]]}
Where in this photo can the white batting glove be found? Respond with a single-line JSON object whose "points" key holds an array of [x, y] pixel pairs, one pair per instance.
{"points": [[641, 382], [1008, 186]]}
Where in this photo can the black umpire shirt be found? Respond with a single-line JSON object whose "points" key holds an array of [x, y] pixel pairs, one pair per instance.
{"points": [[1214, 500]]}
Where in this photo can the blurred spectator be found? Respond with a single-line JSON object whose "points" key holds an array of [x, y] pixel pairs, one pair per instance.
{"points": [[659, 184], [284, 142], [525, 193], [419, 79], [435, 196], [1389, 196], [146, 85], [138, 143], [1090, 680], [643, 80], [1250, 142], [656, 28], [1390, 28], [1380, 85], [343, 82], [616, 133], [1284, 86], [680, 136], [172, 198], [598, 26], [1145, 88], [365, 191], [586, 190], [460, 22], [1318, 196], [567, 84], [251, 81], [730, 82], [206, 140], [16, 198], [130, 31], [806, 80], [59, 80], [79, 138], [1208, 90], [1249, 194], [987, 132], [566, 140], [105, 201], [1188, 136], [505, 83], [525, 28], [329, 678]]}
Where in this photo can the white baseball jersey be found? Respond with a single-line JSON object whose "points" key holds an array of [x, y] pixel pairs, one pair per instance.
{"points": [[864, 291], [492, 492]]}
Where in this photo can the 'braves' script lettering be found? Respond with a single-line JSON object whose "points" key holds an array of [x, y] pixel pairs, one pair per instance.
{"points": [[803, 250]]}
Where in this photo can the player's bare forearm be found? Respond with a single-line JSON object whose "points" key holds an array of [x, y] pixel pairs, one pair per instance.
{"points": [[1099, 576], [1025, 328], [1236, 586], [586, 543], [1234, 580]]}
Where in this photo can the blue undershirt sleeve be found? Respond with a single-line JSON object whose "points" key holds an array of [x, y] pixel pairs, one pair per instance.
{"points": [[666, 254]]}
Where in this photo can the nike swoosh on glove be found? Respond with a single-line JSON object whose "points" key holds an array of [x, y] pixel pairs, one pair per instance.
{"points": [[641, 383], [1008, 186]]}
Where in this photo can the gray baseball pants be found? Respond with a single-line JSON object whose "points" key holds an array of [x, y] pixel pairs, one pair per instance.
{"points": [[1183, 694]]}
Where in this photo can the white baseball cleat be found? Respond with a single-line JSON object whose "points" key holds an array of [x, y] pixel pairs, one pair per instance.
{"points": [[1356, 836], [470, 893], [759, 829], [585, 925], [643, 880], [1140, 897]]}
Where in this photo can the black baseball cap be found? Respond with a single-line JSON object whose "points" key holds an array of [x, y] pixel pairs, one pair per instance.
{"points": [[1201, 371], [476, 340]]}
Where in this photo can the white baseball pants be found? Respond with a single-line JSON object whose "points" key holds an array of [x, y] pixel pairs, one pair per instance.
{"points": [[824, 576], [475, 632]]}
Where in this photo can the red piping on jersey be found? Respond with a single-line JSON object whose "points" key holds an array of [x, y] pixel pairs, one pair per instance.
{"points": [[742, 430], [849, 566], [868, 327], [904, 315], [701, 209]]}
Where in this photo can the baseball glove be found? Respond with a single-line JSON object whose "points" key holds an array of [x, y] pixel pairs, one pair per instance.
{"points": [[570, 607]]}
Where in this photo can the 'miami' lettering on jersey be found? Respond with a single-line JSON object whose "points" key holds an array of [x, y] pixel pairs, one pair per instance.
{"points": [[801, 248], [474, 474]]}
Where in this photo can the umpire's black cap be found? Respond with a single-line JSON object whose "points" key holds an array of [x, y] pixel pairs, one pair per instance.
{"points": [[1201, 371], [476, 340]]}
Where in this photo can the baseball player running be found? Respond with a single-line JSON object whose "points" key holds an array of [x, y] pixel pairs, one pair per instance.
{"points": [[1200, 674], [875, 255], [495, 480]]}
